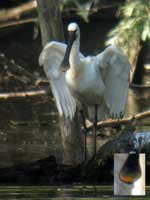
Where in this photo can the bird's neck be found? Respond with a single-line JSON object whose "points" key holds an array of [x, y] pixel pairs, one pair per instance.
{"points": [[74, 58]]}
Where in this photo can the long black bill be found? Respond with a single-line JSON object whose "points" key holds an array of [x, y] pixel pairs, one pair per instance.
{"points": [[65, 63]]}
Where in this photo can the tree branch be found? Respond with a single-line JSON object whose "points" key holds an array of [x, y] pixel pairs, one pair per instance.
{"points": [[18, 22], [7, 95], [139, 86], [15, 13], [116, 122]]}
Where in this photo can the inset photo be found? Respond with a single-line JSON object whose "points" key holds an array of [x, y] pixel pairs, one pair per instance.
{"points": [[129, 174]]}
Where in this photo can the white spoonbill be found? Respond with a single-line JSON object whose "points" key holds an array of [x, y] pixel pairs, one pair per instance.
{"points": [[99, 82]]}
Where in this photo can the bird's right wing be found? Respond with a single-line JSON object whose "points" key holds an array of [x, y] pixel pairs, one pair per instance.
{"points": [[115, 70], [51, 58]]}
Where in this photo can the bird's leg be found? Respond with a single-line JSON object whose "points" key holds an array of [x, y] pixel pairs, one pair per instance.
{"points": [[95, 127], [85, 130]]}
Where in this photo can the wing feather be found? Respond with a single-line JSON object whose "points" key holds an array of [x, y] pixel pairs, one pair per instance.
{"points": [[115, 71], [51, 58]]}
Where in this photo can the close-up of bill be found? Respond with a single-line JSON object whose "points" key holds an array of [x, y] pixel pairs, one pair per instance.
{"points": [[129, 174], [74, 99]]}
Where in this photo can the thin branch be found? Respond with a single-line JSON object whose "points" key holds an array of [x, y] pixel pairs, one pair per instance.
{"points": [[15, 13], [23, 94], [18, 22], [139, 86], [11, 17], [92, 10], [116, 122]]}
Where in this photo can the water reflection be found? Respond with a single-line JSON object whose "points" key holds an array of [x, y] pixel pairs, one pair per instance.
{"points": [[57, 192], [28, 130]]}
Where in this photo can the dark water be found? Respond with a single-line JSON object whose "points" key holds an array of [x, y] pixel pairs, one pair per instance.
{"points": [[63, 193]]}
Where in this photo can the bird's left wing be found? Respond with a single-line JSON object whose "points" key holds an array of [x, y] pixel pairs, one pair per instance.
{"points": [[51, 58], [115, 70]]}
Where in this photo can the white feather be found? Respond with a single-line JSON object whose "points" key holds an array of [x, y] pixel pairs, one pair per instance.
{"points": [[116, 69], [51, 58], [101, 79]]}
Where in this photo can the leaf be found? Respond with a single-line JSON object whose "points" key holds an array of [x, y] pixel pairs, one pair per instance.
{"points": [[84, 10], [128, 10], [84, 15], [146, 31]]}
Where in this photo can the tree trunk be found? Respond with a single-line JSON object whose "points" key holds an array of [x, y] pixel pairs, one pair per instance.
{"points": [[52, 29], [50, 21]]}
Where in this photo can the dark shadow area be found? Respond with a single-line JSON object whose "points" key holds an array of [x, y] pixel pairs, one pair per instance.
{"points": [[143, 58]]}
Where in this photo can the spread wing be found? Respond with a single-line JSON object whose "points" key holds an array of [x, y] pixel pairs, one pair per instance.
{"points": [[51, 58], [115, 70]]}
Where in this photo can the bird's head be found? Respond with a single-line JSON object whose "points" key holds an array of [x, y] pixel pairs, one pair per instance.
{"points": [[73, 35], [73, 29]]}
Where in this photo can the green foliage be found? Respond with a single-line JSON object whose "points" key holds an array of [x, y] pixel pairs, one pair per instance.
{"points": [[135, 23], [80, 7], [84, 10]]}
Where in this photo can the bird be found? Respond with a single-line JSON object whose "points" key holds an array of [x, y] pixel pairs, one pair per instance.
{"points": [[98, 83]]}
